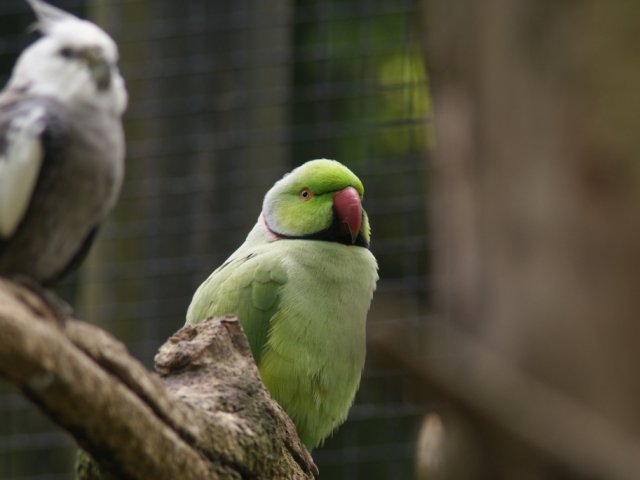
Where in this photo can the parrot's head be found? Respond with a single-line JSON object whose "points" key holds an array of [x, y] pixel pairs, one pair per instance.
{"points": [[320, 200], [74, 61]]}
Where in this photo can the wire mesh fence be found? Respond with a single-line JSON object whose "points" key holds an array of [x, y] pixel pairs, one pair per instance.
{"points": [[225, 97]]}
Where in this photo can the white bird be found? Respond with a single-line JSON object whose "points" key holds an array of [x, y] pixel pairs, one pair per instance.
{"points": [[61, 146]]}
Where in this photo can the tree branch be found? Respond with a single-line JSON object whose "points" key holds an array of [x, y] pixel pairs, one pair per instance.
{"points": [[206, 416]]}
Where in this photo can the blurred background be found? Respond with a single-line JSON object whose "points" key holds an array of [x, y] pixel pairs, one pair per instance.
{"points": [[225, 97], [504, 338]]}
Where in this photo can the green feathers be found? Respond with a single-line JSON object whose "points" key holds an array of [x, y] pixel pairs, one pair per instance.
{"points": [[288, 213], [301, 285]]}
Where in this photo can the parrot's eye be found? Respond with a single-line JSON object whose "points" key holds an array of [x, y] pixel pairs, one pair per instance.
{"points": [[305, 194]]}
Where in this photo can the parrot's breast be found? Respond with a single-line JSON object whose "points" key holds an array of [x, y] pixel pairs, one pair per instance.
{"points": [[316, 347], [303, 306]]}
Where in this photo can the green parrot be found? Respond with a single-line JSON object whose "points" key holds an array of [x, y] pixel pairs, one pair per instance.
{"points": [[301, 285]]}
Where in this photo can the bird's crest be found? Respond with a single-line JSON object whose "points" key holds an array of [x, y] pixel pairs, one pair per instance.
{"points": [[48, 15]]}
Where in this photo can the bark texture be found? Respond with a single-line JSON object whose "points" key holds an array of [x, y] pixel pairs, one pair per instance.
{"points": [[206, 415]]}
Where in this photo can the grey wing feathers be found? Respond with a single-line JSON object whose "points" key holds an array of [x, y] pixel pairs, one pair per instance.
{"points": [[21, 158]]}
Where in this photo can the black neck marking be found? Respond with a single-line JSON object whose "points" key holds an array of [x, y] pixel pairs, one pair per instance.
{"points": [[337, 232]]}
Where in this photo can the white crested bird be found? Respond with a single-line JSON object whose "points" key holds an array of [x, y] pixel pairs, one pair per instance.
{"points": [[61, 146]]}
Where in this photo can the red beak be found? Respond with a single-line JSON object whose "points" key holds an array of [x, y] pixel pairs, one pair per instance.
{"points": [[346, 204]]}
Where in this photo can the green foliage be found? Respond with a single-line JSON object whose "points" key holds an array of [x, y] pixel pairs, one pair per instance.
{"points": [[357, 78], [86, 468]]}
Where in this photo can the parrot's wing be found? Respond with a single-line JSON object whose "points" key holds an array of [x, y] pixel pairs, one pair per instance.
{"points": [[248, 287], [21, 155]]}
